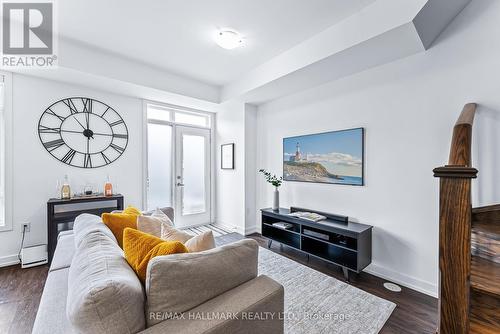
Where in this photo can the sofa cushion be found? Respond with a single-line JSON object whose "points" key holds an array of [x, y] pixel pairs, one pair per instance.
{"points": [[51, 316], [170, 233], [118, 222], [104, 293], [201, 242], [64, 252], [140, 248], [152, 224], [132, 210], [86, 223], [259, 296], [167, 210], [177, 283]]}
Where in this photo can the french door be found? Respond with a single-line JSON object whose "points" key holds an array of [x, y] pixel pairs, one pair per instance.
{"points": [[179, 161], [192, 175]]}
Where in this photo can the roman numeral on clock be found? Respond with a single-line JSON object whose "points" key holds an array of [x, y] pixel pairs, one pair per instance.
{"points": [[105, 157], [117, 148], [46, 129], [116, 135], [54, 144], [105, 111], [87, 105], [116, 123], [69, 103], [87, 161], [68, 157], [50, 112]]}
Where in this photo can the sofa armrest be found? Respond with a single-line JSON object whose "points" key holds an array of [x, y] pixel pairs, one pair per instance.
{"points": [[177, 283], [254, 307]]}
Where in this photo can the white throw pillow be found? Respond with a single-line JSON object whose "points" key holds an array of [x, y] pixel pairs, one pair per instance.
{"points": [[162, 216], [153, 224], [201, 242], [170, 233]]}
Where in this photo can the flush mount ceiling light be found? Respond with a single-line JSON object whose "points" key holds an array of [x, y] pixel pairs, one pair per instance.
{"points": [[228, 39]]}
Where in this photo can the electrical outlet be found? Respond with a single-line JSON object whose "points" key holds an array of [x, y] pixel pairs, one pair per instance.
{"points": [[25, 227]]}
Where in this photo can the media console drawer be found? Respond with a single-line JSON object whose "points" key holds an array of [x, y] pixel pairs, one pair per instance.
{"points": [[335, 239]]}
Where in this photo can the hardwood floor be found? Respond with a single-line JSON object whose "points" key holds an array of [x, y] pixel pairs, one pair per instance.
{"points": [[21, 289], [20, 292]]}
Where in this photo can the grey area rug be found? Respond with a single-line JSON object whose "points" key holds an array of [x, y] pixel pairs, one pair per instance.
{"points": [[318, 303]]}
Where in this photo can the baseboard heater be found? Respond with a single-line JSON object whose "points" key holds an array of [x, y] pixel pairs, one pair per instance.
{"points": [[33, 256]]}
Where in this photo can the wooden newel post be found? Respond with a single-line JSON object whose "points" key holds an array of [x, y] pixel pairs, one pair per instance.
{"points": [[455, 220], [455, 215]]}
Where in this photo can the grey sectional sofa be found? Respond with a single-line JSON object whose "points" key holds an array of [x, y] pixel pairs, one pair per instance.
{"points": [[91, 289]]}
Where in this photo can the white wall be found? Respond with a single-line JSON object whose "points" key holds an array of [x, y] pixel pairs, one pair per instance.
{"points": [[36, 171], [236, 189], [230, 184], [250, 168], [408, 109]]}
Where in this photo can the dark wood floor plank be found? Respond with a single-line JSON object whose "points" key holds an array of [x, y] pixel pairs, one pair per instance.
{"points": [[20, 293]]}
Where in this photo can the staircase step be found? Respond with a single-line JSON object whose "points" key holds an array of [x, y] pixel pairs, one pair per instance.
{"points": [[481, 328], [485, 313], [485, 276], [491, 229], [489, 214], [485, 240]]}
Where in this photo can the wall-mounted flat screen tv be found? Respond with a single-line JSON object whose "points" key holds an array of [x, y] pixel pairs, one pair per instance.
{"points": [[335, 157]]}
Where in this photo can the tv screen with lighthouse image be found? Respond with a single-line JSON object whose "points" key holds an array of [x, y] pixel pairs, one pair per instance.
{"points": [[332, 157]]}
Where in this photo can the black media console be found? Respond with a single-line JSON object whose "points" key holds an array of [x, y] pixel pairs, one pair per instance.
{"points": [[336, 240]]}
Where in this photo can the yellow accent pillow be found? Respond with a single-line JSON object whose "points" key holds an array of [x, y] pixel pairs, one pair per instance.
{"points": [[140, 248], [117, 222], [132, 210]]}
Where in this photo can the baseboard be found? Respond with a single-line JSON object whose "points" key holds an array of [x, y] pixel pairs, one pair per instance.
{"points": [[250, 230], [416, 284], [9, 260]]}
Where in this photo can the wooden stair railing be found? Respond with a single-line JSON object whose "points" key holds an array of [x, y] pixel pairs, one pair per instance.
{"points": [[455, 220], [469, 244]]}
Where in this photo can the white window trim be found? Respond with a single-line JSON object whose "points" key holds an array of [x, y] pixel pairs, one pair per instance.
{"points": [[8, 116], [174, 108]]}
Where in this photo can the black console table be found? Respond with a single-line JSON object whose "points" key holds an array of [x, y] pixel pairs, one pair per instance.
{"points": [[59, 219], [336, 240]]}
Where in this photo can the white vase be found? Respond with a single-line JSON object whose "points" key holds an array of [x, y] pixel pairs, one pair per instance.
{"points": [[276, 201]]}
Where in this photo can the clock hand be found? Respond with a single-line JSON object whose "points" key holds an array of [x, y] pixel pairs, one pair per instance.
{"points": [[79, 132], [87, 117], [103, 134], [79, 123]]}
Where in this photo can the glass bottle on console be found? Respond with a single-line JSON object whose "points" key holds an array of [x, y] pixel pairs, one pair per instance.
{"points": [[108, 188], [65, 189]]}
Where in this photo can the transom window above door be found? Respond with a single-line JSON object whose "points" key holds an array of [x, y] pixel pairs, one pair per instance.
{"points": [[179, 116]]}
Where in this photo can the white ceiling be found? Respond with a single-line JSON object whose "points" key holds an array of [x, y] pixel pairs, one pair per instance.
{"points": [[176, 35]]}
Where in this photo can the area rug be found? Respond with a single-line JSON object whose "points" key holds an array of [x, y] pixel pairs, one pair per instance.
{"points": [[317, 303]]}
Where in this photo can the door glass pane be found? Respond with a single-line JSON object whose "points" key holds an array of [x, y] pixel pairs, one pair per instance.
{"points": [[159, 166], [192, 119], [193, 172]]}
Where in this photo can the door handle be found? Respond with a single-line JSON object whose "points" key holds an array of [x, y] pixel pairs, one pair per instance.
{"points": [[180, 184]]}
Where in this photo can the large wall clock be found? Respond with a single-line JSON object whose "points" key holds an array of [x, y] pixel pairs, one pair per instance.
{"points": [[83, 132]]}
